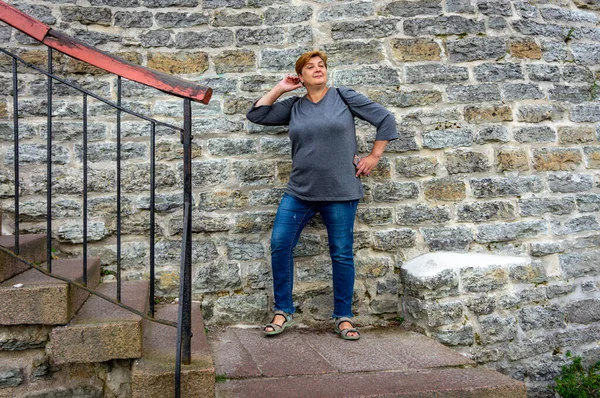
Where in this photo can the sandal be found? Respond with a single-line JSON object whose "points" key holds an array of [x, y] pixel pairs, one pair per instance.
{"points": [[276, 329], [344, 333]]}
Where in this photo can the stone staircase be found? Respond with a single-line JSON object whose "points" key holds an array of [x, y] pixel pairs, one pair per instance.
{"points": [[58, 341]]}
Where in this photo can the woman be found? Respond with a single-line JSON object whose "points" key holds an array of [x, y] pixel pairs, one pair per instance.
{"points": [[325, 178]]}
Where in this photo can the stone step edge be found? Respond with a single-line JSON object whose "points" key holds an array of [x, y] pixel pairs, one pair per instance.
{"points": [[451, 382], [101, 330], [153, 375], [33, 298]]}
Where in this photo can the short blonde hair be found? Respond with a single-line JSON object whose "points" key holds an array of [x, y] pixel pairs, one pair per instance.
{"points": [[304, 58]]}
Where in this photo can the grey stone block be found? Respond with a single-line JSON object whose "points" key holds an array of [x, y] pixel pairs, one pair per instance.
{"points": [[532, 28], [477, 93], [575, 265], [250, 308], [180, 19], [446, 25], [574, 225], [217, 276], [412, 9], [375, 215], [420, 213], [436, 73], [254, 172], [434, 314], [554, 50], [460, 6], [485, 211], [10, 377], [476, 48], [367, 76], [503, 232], [539, 206], [482, 305], [363, 29], [232, 146], [448, 239], [254, 222], [535, 113], [520, 91], [462, 335], [497, 23], [87, 15], [589, 202], [483, 279], [541, 318], [126, 19], [354, 53], [170, 3], [287, 15], [495, 329], [403, 99], [416, 166], [213, 38], [526, 10], [157, 38], [572, 94], [266, 197], [585, 113], [512, 186], [490, 134], [577, 74], [495, 7], [394, 239], [209, 172], [243, 250], [432, 285], [351, 11], [566, 15], [226, 18], [543, 73], [498, 72], [281, 60], [583, 311], [450, 138], [395, 191], [466, 162], [564, 182]]}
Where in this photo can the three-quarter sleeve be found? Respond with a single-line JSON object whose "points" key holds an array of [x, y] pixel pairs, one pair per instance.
{"points": [[277, 114], [372, 112]]}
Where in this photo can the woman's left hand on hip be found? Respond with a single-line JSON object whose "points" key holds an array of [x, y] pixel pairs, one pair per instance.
{"points": [[366, 165]]}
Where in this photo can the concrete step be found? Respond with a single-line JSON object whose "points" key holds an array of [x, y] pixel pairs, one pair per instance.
{"points": [[101, 330], [153, 375], [31, 247], [32, 298], [388, 362]]}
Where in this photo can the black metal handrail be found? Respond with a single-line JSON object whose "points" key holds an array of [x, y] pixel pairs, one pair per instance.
{"points": [[183, 351]]}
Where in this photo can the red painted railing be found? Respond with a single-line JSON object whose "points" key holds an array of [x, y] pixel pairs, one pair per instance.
{"points": [[110, 63]]}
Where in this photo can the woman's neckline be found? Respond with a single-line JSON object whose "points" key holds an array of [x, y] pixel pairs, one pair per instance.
{"points": [[319, 101]]}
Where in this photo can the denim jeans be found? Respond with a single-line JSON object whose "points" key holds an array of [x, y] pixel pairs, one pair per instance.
{"points": [[292, 216]]}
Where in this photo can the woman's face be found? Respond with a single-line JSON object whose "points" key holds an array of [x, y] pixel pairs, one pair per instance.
{"points": [[314, 73]]}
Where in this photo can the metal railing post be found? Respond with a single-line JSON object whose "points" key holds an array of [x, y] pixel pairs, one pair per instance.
{"points": [[49, 168], [184, 324], [16, 150]]}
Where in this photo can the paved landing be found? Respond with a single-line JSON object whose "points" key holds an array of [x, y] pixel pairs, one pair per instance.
{"points": [[389, 362]]}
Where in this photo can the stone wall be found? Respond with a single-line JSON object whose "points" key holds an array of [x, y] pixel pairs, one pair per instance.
{"points": [[497, 104], [514, 314]]}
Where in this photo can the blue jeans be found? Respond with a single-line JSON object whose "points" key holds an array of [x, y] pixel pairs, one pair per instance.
{"points": [[292, 216]]}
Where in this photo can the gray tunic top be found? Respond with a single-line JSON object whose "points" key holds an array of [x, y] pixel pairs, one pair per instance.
{"points": [[324, 141]]}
